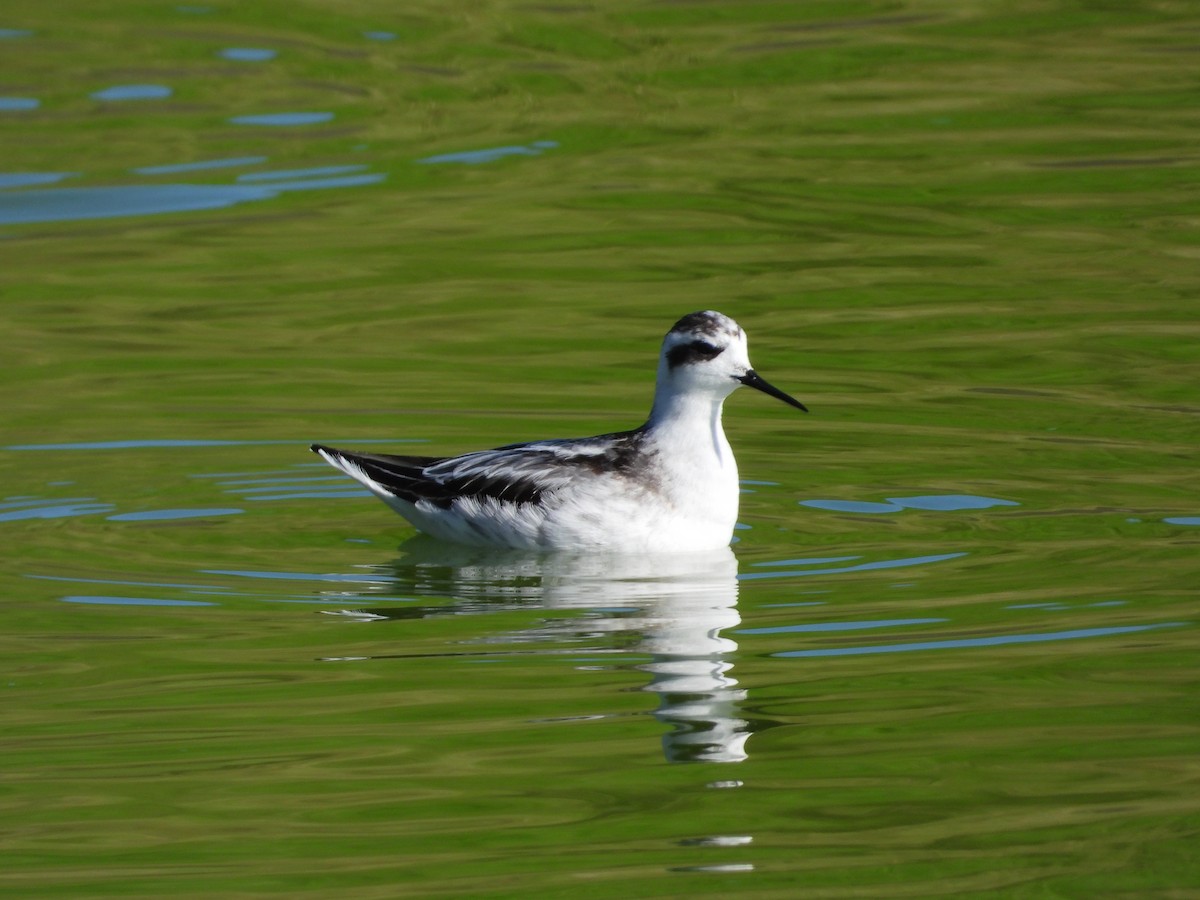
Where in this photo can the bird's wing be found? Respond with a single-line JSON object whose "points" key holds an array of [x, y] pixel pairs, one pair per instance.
{"points": [[517, 473]]}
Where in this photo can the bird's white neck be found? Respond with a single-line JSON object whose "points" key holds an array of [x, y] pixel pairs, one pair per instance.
{"points": [[690, 421]]}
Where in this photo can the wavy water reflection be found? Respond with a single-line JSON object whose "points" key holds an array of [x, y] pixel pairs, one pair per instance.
{"points": [[124, 92], [489, 154], [996, 640], [248, 54], [789, 568], [673, 608], [114, 201], [231, 162], [18, 508], [928, 502], [30, 179], [283, 119]]}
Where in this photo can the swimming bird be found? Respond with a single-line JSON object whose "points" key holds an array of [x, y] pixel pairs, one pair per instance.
{"points": [[670, 485]]}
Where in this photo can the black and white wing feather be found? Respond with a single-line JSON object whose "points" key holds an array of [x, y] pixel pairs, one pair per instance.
{"points": [[518, 473]]}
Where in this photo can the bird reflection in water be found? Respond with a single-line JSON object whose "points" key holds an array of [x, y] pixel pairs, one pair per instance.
{"points": [[670, 607]]}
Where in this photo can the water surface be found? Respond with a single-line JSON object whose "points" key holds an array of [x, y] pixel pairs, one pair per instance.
{"points": [[952, 652]]}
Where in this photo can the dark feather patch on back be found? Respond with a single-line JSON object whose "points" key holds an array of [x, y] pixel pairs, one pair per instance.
{"points": [[517, 473]]}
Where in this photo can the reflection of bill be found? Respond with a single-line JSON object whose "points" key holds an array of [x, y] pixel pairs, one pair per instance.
{"points": [[674, 606]]}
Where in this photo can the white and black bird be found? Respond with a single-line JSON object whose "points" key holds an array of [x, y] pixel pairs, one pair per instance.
{"points": [[669, 486]]}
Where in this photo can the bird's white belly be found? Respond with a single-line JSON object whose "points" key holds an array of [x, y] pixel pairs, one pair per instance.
{"points": [[661, 515], [610, 513]]}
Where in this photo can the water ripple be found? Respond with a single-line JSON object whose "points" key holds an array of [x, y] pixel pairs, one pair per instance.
{"points": [[931, 502], [304, 576], [297, 174], [135, 601], [122, 92], [248, 54], [839, 626], [52, 509], [30, 179], [860, 567], [160, 515], [201, 165], [283, 120], [490, 154], [992, 641]]}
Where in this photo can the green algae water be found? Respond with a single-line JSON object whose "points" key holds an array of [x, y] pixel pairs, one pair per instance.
{"points": [[953, 650]]}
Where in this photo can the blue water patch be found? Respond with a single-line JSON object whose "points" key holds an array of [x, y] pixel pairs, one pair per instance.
{"points": [[838, 626], [227, 163], [31, 179], [950, 502], [248, 54], [1183, 520], [8, 34], [18, 104], [159, 515], [860, 567], [851, 506], [71, 204], [294, 174], [123, 92], [135, 601], [490, 154], [379, 35], [994, 641], [52, 509], [933, 502], [283, 120], [1058, 605]]}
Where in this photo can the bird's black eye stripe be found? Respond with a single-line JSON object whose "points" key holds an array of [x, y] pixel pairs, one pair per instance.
{"points": [[693, 352]]}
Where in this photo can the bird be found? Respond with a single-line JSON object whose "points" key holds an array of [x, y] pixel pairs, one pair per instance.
{"points": [[667, 486]]}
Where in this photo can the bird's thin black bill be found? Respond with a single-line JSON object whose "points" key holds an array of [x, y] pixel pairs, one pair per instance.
{"points": [[754, 380]]}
